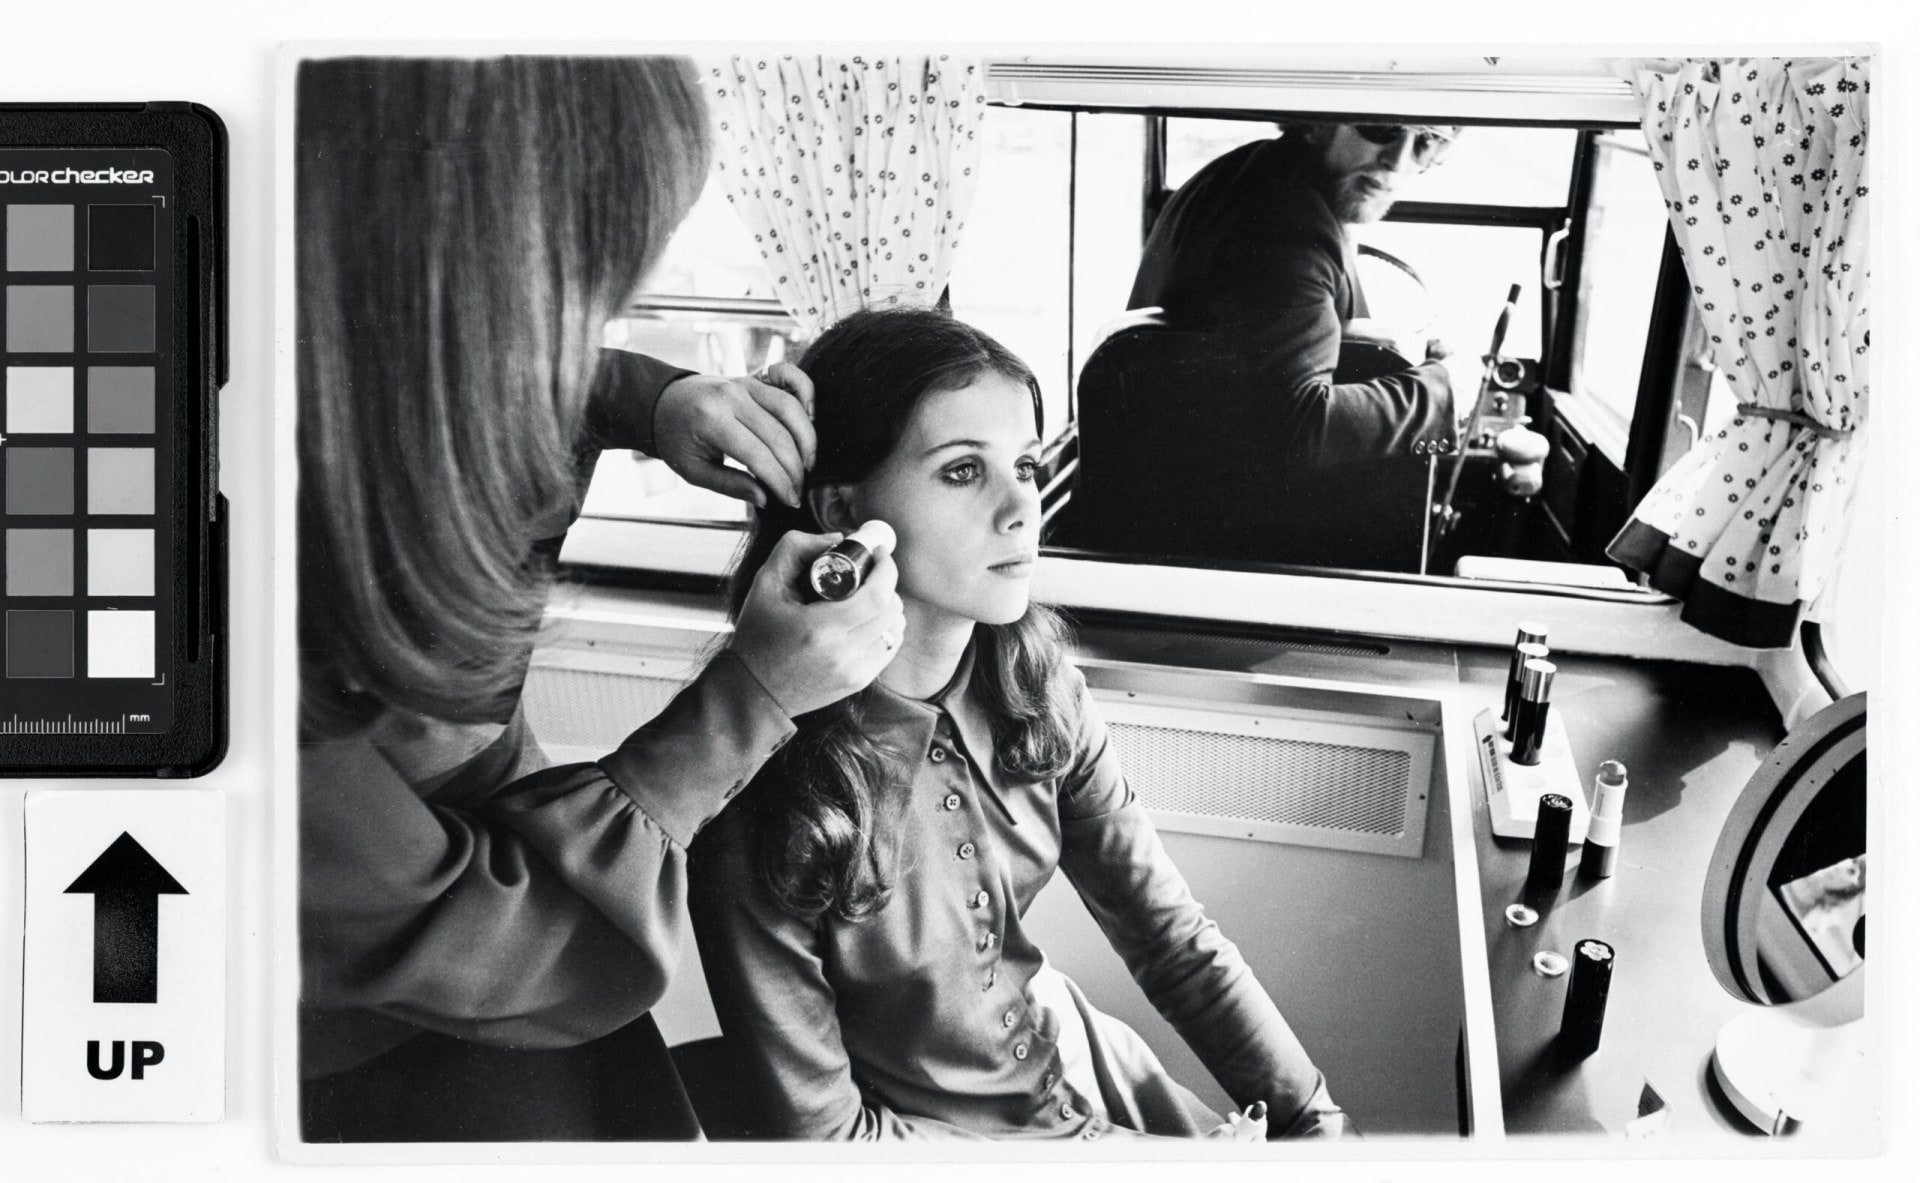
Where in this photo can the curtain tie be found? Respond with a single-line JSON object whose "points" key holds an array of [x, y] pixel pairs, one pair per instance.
{"points": [[1797, 418]]}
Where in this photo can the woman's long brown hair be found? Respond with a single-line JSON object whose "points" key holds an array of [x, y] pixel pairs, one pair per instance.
{"points": [[465, 230], [822, 811]]}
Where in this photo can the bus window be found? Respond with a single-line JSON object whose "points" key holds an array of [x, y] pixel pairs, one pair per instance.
{"points": [[1191, 143], [1466, 271], [1064, 199], [1010, 278], [1518, 207], [709, 304], [1108, 196], [1503, 166], [1626, 227]]}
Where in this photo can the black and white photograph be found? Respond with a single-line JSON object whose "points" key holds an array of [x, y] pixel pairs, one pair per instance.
{"points": [[1269, 602]]}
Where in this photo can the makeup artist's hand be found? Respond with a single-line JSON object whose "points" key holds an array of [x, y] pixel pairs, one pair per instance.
{"points": [[763, 423], [811, 654]]}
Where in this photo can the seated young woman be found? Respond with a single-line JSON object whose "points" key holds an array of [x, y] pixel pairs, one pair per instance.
{"points": [[859, 907]]}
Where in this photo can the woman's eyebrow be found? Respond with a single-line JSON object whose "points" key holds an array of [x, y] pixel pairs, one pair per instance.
{"points": [[954, 444], [980, 445]]}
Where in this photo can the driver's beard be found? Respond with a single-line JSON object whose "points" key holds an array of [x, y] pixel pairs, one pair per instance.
{"points": [[1354, 208]]}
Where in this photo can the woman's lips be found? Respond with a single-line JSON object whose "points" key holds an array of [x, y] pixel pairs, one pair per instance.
{"points": [[1013, 567]]}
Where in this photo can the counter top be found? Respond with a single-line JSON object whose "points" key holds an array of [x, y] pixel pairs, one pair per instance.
{"points": [[1690, 736]]}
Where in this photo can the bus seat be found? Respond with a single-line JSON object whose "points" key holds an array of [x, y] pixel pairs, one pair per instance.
{"points": [[722, 1094], [1161, 477]]}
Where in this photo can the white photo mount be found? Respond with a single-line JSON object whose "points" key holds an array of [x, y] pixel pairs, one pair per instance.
{"points": [[124, 996]]}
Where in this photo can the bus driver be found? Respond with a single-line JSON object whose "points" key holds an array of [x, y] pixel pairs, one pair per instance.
{"points": [[1256, 248]]}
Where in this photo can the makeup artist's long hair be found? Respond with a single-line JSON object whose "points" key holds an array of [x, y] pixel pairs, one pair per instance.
{"points": [[465, 230], [821, 821]]}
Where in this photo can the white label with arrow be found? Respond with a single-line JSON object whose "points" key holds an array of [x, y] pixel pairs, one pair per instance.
{"points": [[125, 991]]}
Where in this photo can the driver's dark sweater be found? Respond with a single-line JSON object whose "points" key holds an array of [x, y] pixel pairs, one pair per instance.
{"points": [[1249, 250]]}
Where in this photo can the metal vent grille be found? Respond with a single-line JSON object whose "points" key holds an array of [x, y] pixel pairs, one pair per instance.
{"points": [[1276, 781], [1199, 768], [581, 714], [1277, 778]]}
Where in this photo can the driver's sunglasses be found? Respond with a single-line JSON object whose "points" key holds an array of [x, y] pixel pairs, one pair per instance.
{"points": [[1429, 143]]}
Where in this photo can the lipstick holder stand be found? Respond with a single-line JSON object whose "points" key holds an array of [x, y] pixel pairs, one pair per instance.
{"points": [[1514, 790]]}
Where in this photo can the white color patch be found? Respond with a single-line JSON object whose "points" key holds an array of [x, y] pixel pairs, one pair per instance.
{"points": [[119, 644], [40, 399], [67, 832]]}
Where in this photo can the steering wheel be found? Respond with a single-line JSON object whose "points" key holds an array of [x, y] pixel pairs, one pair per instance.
{"points": [[1395, 291]]}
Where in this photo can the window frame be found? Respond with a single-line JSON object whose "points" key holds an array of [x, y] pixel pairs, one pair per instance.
{"points": [[1610, 470], [1663, 381]]}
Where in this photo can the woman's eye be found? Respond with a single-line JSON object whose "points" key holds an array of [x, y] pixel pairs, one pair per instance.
{"points": [[962, 474], [1027, 469]]}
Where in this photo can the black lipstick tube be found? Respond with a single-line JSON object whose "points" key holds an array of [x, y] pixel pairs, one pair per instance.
{"points": [[1530, 715], [1523, 652], [838, 573], [1529, 633], [1552, 826], [1586, 1009]]}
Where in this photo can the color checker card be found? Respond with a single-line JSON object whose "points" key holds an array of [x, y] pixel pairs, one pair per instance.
{"points": [[112, 521]]}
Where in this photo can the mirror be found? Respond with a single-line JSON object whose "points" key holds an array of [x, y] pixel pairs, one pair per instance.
{"points": [[1189, 448], [1783, 917], [1066, 205]]}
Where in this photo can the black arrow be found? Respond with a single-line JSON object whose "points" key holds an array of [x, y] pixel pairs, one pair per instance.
{"points": [[126, 885]]}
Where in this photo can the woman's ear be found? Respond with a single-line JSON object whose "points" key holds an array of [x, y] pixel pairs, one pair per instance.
{"points": [[832, 507]]}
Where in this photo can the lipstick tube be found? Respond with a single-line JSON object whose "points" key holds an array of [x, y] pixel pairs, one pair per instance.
{"points": [[1586, 1007], [1529, 633], [1523, 652], [1530, 714], [1552, 826], [838, 573], [1602, 848]]}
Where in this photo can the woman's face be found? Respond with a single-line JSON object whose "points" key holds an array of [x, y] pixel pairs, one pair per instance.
{"points": [[959, 491]]}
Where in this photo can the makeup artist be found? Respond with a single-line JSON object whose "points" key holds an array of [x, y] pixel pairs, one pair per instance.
{"points": [[466, 228]]}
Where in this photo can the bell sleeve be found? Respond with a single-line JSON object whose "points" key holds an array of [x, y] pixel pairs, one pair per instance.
{"points": [[509, 903]]}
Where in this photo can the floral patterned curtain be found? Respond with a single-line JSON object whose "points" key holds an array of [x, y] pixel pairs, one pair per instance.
{"points": [[1763, 164], [854, 174]]}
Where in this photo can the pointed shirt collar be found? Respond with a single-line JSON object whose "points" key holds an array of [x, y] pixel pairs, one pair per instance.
{"points": [[909, 725]]}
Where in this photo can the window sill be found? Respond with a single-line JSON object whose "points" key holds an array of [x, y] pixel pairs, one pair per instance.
{"points": [[672, 548], [1595, 424]]}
